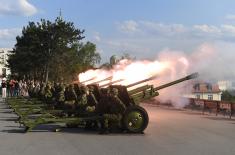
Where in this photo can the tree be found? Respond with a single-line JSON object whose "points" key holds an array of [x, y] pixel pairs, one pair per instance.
{"points": [[51, 50], [113, 60], [227, 96], [87, 55], [127, 56]]}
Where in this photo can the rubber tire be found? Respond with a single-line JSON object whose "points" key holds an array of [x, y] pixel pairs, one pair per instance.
{"points": [[144, 116]]}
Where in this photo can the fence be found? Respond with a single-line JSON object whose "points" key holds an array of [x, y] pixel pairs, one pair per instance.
{"points": [[217, 107]]}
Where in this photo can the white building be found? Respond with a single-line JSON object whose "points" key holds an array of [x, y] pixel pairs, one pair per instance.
{"points": [[4, 71], [206, 91]]}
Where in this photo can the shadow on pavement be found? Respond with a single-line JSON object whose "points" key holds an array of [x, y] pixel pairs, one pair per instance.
{"points": [[96, 132], [21, 129], [9, 119], [14, 126], [6, 112], [14, 131], [71, 131], [5, 108]]}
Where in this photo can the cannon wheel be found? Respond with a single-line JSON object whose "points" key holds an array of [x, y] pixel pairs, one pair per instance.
{"points": [[135, 119]]}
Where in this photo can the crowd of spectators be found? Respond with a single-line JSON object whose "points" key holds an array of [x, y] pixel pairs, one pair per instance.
{"points": [[14, 88]]}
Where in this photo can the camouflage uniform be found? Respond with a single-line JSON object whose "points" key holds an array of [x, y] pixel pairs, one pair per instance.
{"points": [[82, 99], [103, 105], [48, 94], [77, 89], [42, 90], [31, 87], [53, 90], [91, 100], [36, 90], [59, 96], [116, 110], [70, 97]]}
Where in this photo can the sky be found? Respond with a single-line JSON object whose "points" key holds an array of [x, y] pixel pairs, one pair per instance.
{"points": [[140, 28]]}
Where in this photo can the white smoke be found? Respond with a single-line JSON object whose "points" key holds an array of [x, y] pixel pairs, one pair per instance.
{"points": [[212, 61], [215, 61]]}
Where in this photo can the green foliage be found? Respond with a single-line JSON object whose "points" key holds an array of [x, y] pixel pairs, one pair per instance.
{"points": [[113, 60], [127, 56], [227, 96], [51, 50], [87, 55]]}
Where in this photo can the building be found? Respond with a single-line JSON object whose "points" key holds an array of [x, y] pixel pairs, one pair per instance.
{"points": [[226, 85], [203, 90], [4, 71]]}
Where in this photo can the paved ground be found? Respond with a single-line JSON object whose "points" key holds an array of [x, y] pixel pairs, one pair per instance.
{"points": [[170, 132]]}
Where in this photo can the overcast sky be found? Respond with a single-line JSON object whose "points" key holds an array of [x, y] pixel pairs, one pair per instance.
{"points": [[140, 28]]}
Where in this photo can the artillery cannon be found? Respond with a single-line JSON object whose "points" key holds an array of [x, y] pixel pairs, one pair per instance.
{"points": [[83, 82], [135, 119], [111, 83], [142, 81], [106, 79]]}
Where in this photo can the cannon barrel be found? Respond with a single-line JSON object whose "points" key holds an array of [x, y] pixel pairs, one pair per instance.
{"points": [[110, 83], [88, 80], [191, 76], [82, 82], [106, 79], [139, 89], [142, 81]]}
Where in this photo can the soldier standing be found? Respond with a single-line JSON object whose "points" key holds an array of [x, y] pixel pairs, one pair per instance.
{"points": [[31, 87], [103, 105], [48, 93], [42, 90], [77, 89], [82, 99], [36, 89], [59, 96], [70, 97], [114, 115], [91, 100]]}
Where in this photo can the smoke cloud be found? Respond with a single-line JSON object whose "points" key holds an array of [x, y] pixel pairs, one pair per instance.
{"points": [[212, 61]]}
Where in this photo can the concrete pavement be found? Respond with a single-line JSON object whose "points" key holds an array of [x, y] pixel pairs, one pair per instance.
{"points": [[170, 132]]}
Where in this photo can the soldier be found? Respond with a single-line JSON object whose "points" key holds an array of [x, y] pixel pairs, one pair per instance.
{"points": [[48, 93], [42, 90], [91, 100], [36, 89], [77, 89], [59, 96], [31, 87], [54, 90], [103, 105], [82, 99], [114, 115], [91, 108], [70, 97]]}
